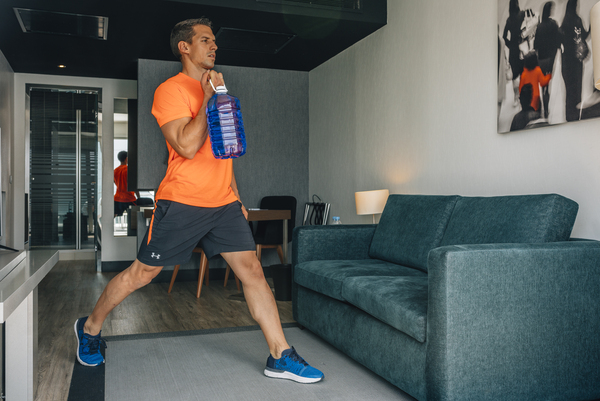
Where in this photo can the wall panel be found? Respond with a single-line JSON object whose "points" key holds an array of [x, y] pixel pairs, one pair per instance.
{"points": [[275, 111]]}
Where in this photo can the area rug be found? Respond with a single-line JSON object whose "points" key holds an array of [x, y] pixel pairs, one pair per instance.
{"points": [[228, 364]]}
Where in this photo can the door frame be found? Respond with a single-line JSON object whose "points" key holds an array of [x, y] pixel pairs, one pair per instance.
{"points": [[98, 91]]}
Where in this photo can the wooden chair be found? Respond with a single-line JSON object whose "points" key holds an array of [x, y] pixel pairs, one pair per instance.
{"points": [[202, 275], [269, 234], [260, 247], [237, 280], [258, 254]]}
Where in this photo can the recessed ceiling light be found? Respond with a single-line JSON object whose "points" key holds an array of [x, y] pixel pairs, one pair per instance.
{"points": [[62, 66]]}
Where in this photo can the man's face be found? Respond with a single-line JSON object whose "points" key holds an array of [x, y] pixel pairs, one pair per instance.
{"points": [[203, 48]]}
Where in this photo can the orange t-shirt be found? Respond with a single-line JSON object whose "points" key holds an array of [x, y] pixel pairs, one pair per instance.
{"points": [[204, 180], [121, 181], [534, 77]]}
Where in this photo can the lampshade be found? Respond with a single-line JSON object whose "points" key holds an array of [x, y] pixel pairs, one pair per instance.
{"points": [[595, 27], [371, 202]]}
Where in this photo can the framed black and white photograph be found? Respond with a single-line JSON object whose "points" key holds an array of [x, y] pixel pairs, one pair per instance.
{"points": [[545, 68], [1, 196]]}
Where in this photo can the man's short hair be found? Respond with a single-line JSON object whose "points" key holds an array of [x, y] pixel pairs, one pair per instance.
{"points": [[122, 155], [184, 30]]}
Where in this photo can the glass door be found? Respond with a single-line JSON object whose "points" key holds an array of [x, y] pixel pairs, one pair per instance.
{"points": [[63, 168]]}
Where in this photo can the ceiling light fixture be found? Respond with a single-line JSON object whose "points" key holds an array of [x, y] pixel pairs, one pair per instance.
{"points": [[85, 26]]}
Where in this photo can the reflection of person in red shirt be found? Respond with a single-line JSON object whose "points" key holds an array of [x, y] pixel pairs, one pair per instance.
{"points": [[123, 198], [532, 74]]}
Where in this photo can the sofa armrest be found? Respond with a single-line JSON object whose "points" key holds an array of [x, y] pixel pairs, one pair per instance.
{"points": [[514, 321], [334, 242]]}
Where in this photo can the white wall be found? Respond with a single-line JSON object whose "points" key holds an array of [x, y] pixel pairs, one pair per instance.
{"points": [[412, 108], [113, 248], [6, 130]]}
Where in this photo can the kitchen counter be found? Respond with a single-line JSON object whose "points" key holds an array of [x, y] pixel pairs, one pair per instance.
{"points": [[20, 274]]}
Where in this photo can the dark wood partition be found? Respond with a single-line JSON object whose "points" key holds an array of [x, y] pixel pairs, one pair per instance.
{"points": [[132, 142]]}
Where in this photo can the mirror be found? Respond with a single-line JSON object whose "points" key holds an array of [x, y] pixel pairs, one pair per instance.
{"points": [[126, 203]]}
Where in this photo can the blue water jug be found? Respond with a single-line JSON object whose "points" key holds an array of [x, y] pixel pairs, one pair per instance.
{"points": [[225, 125]]}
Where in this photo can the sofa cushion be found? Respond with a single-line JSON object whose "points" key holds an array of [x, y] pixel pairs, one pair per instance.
{"points": [[327, 276], [400, 302], [410, 226], [511, 219]]}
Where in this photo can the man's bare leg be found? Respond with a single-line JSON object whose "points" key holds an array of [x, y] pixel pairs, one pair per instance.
{"points": [[134, 277], [259, 297]]}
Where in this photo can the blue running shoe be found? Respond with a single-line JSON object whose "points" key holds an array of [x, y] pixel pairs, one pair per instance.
{"points": [[88, 347], [293, 367]]}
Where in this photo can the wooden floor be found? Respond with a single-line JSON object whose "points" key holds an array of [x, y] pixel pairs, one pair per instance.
{"points": [[71, 290]]}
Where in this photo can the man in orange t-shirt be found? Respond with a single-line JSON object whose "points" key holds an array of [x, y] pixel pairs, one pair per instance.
{"points": [[532, 74], [196, 203], [123, 198]]}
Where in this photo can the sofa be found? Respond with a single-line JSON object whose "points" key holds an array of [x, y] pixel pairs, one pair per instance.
{"points": [[459, 298]]}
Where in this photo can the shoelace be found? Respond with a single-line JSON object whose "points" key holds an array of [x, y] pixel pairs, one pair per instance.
{"points": [[94, 343], [295, 357]]}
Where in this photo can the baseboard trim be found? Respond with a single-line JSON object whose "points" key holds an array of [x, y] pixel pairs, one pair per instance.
{"points": [[77, 254]]}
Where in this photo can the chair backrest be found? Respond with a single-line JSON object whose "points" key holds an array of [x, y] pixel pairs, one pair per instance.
{"points": [[271, 232]]}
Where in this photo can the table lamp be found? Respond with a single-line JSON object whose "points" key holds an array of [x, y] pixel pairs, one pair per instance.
{"points": [[371, 202]]}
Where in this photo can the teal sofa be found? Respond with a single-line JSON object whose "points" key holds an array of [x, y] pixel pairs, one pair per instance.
{"points": [[459, 298]]}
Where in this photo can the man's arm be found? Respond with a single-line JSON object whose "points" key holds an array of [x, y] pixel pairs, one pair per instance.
{"points": [[237, 194], [186, 135]]}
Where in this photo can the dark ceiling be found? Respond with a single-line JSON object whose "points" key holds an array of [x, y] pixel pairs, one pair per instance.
{"points": [[281, 34]]}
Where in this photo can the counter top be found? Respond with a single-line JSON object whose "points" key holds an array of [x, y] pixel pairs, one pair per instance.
{"points": [[9, 260], [20, 273]]}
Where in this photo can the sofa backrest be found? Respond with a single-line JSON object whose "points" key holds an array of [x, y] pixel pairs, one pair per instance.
{"points": [[511, 219], [410, 226]]}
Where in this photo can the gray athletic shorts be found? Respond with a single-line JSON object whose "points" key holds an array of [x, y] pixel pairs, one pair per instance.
{"points": [[176, 229]]}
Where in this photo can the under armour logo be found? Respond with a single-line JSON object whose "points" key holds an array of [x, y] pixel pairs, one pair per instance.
{"points": [[155, 255]]}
